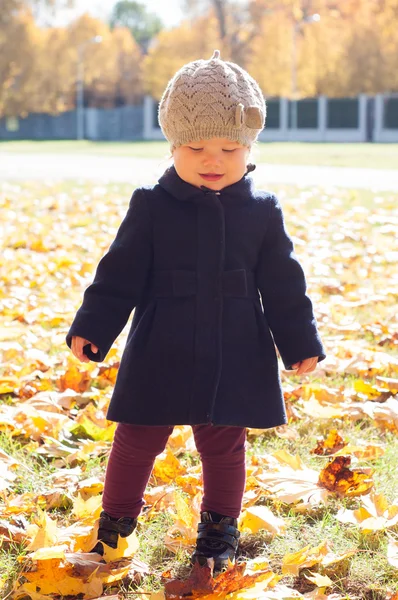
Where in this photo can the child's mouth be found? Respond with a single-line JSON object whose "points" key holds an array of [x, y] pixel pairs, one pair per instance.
{"points": [[211, 176]]}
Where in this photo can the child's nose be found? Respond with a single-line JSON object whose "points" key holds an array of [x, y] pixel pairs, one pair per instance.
{"points": [[212, 158]]}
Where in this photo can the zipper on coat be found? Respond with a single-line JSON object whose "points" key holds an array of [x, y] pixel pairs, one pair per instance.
{"points": [[220, 297]]}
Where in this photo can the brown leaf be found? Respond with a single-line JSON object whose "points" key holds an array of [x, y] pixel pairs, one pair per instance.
{"points": [[200, 582], [338, 478]]}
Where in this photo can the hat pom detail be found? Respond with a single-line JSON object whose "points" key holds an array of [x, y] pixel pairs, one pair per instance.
{"points": [[216, 54]]}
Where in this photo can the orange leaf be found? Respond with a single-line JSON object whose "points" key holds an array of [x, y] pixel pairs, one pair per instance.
{"points": [[338, 478], [330, 444]]}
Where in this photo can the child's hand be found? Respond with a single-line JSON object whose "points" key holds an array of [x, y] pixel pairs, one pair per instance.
{"points": [[77, 348], [306, 366]]}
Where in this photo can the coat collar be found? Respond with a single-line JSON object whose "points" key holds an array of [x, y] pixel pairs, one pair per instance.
{"points": [[239, 192]]}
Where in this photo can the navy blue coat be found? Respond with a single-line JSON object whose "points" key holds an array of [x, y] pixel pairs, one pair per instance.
{"points": [[201, 347]]}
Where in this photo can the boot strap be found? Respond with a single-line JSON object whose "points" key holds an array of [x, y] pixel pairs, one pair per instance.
{"points": [[124, 529], [221, 532]]}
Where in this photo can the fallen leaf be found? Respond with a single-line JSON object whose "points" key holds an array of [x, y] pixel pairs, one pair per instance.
{"points": [[257, 518], [338, 478]]}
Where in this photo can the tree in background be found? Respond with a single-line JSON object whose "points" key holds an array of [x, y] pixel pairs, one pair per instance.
{"points": [[112, 68], [127, 59], [174, 47], [237, 22], [351, 50], [38, 70], [144, 26], [20, 42], [320, 51]]}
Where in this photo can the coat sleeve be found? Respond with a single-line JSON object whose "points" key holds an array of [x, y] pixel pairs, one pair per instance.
{"points": [[119, 281], [287, 307]]}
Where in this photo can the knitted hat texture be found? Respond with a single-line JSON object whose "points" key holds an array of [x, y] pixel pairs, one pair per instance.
{"points": [[211, 98]]}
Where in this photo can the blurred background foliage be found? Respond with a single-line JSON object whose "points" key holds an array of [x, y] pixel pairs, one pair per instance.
{"points": [[353, 49]]}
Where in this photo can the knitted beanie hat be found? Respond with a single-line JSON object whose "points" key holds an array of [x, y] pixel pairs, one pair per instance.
{"points": [[211, 98]]}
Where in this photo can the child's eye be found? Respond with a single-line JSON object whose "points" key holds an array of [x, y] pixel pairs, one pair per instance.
{"points": [[199, 149]]}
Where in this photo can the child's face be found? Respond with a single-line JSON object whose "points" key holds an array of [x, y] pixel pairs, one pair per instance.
{"points": [[217, 156]]}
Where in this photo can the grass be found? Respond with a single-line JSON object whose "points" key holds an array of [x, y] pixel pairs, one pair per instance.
{"points": [[363, 155], [366, 575]]}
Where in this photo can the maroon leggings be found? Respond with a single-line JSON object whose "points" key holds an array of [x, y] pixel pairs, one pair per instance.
{"points": [[135, 448]]}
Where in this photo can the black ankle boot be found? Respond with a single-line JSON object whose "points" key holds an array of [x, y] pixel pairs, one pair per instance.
{"points": [[217, 540], [109, 530]]}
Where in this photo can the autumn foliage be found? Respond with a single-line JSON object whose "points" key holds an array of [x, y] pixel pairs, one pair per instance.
{"points": [[55, 407], [351, 50]]}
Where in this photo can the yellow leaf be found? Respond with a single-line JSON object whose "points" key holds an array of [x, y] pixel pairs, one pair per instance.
{"points": [[190, 483], [331, 559], [167, 466], [8, 385], [48, 553], [184, 512], [91, 487], [284, 457], [368, 452], [85, 427], [125, 547], [374, 514], [256, 518], [47, 534], [87, 508], [53, 577], [179, 437], [184, 531], [80, 537], [260, 563], [365, 388], [116, 575], [306, 557], [313, 408], [319, 580]]}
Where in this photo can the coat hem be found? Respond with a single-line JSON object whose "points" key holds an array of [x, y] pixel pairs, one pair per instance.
{"points": [[184, 422]]}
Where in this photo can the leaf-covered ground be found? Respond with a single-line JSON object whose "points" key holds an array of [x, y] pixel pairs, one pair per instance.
{"points": [[320, 512]]}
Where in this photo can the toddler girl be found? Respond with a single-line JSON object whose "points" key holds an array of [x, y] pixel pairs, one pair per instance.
{"points": [[192, 256]]}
